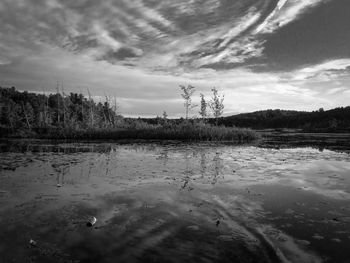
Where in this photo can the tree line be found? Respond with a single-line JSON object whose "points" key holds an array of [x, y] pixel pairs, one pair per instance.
{"points": [[40, 113], [44, 113], [32, 111], [334, 120]]}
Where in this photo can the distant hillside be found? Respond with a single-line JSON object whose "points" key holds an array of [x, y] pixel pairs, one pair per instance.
{"points": [[335, 120]]}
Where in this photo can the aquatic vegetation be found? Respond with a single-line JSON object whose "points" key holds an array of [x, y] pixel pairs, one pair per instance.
{"points": [[185, 131]]}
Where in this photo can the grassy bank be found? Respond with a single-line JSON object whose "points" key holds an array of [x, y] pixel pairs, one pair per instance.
{"points": [[186, 131]]}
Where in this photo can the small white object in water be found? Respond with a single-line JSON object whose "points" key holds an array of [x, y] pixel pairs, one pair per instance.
{"points": [[92, 221], [317, 236], [59, 185], [336, 240], [32, 242]]}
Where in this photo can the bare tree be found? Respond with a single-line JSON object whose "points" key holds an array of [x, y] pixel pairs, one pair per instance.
{"points": [[91, 110], [203, 111], [45, 116], [82, 107], [216, 104], [106, 109], [187, 96], [26, 116], [115, 106], [58, 102], [63, 105], [115, 109]]}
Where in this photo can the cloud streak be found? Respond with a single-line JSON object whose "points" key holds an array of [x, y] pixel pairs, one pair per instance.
{"points": [[286, 12], [325, 71]]}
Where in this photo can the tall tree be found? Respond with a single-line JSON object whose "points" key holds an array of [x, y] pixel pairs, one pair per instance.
{"points": [[203, 110], [165, 118], [28, 113], [58, 103], [91, 105], [187, 96], [216, 104]]}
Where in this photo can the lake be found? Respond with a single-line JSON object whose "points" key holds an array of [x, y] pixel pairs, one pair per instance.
{"points": [[274, 201]]}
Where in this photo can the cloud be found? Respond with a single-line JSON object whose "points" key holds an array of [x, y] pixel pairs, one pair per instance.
{"points": [[338, 64], [149, 13], [270, 17], [336, 90], [325, 71], [121, 54], [151, 47], [4, 61], [185, 35], [286, 12]]}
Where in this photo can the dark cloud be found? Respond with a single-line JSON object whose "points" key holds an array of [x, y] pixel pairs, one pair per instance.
{"points": [[121, 55]]}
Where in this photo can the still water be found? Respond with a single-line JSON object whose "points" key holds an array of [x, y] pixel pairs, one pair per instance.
{"points": [[173, 202]]}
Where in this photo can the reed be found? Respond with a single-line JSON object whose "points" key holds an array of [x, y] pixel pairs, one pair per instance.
{"points": [[185, 131]]}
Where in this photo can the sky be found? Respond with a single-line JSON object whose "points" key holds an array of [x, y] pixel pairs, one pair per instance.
{"points": [[261, 54]]}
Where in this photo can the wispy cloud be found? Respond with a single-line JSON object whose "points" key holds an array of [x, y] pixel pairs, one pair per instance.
{"points": [[185, 34], [285, 12], [338, 64], [328, 70], [270, 17]]}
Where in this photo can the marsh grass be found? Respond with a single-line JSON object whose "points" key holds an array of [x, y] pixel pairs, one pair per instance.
{"points": [[185, 131]]}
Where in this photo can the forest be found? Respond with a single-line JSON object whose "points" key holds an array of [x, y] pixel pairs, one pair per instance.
{"points": [[38, 113]]}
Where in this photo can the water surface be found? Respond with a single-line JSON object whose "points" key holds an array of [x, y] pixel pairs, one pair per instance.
{"points": [[173, 202]]}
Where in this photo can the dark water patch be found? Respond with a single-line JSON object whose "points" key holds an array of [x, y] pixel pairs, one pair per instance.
{"points": [[321, 141]]}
